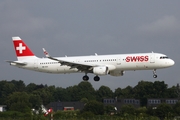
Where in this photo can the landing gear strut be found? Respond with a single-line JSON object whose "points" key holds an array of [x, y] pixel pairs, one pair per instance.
{"points": [[154, 73]]}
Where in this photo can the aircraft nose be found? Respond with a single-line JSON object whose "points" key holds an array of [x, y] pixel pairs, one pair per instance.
{"points": [[171, 62]]}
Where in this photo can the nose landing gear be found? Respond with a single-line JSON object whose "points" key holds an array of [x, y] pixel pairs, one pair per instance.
{"points": [[154, 73]]}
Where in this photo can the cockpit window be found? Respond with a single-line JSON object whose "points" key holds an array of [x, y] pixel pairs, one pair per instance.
{"points": [[164, 57]]}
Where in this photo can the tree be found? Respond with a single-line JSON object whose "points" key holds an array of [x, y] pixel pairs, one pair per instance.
{"points": [[118, 93], [127, 92], [141, 111], [160, 89], [30, 87], [82, 90], [35, 101], [128, 109], [44, 94], [84, 100], [87, 115], [104, 92], [95, 107], [143, 90], [61, 94], [3, 94], [108, 109], [163, 110], [86, 90], [8, 88], [74, 93], [19, 101], [19, 85], [171, 92], [176, 108]]}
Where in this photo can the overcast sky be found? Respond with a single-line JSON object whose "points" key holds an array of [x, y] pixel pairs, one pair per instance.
{"points": [[85, 27]]}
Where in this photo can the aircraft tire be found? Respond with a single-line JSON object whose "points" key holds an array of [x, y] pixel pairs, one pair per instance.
{"points": [[155, 76], [85, 78], [96, 78]]}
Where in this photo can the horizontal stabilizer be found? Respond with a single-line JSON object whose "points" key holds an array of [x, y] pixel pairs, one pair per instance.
{"points": [[16, 62]]}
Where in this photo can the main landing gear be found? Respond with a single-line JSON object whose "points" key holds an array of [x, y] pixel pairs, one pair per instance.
{"points": [[86, 78], [96, 78], [154, 73]]}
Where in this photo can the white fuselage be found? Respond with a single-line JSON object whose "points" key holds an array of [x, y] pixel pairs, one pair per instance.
{"points": [[117, 62]]}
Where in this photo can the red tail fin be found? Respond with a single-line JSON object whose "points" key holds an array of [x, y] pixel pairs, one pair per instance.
{"points": [[21, 49]]}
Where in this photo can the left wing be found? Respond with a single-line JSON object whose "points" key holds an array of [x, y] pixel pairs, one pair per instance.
{"points": [[81, 67]]}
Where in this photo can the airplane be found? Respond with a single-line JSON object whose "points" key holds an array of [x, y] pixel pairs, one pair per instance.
{"points": [[99, 65]]}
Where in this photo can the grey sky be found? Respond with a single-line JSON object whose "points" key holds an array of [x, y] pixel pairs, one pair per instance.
{"points": [[84, 27]]}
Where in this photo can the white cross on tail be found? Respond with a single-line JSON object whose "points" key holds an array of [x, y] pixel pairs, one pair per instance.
{"points": [[20, 48]]}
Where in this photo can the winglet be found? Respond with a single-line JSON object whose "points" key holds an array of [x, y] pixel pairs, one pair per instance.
{"points": [[46, 53]]}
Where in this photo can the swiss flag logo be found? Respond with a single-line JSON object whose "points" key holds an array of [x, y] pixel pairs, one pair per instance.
{"points": [[22, 49]]}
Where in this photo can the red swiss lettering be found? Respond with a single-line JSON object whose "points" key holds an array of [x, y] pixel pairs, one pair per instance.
{"points": [[137, 58]]}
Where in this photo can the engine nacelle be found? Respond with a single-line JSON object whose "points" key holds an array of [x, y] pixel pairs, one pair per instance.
{"points": [[116, 73], [100, 70]]}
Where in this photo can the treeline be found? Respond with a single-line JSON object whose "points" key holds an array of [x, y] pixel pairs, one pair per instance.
{"points": [[22, 98], [45, 94]]}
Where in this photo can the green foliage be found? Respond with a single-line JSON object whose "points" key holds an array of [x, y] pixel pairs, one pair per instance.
{"points": [[176, 108], [20, 99], [127, 92], [95, 107], [31, 87], [128, 109], [66, 114], [84, 100], [86, 90], [163, 110], [8, 87], [171, 92], [118, 93], [87, 115], [15, 115], [44, 94], [61, 94], [104, 92], [35, 101], [108, 109]]}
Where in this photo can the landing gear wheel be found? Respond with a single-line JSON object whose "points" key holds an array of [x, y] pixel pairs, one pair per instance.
{"points": [[96, 78], [85, 78], [155, 76]]}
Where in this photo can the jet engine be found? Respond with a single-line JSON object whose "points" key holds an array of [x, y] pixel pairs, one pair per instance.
{"points": [[116, 73], [101, 70]]}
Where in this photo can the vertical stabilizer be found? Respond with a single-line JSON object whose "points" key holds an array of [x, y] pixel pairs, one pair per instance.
{"points": [[22, 50]]}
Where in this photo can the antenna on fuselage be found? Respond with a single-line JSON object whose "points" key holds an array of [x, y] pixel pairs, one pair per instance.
{"points": [[96, 54]]}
